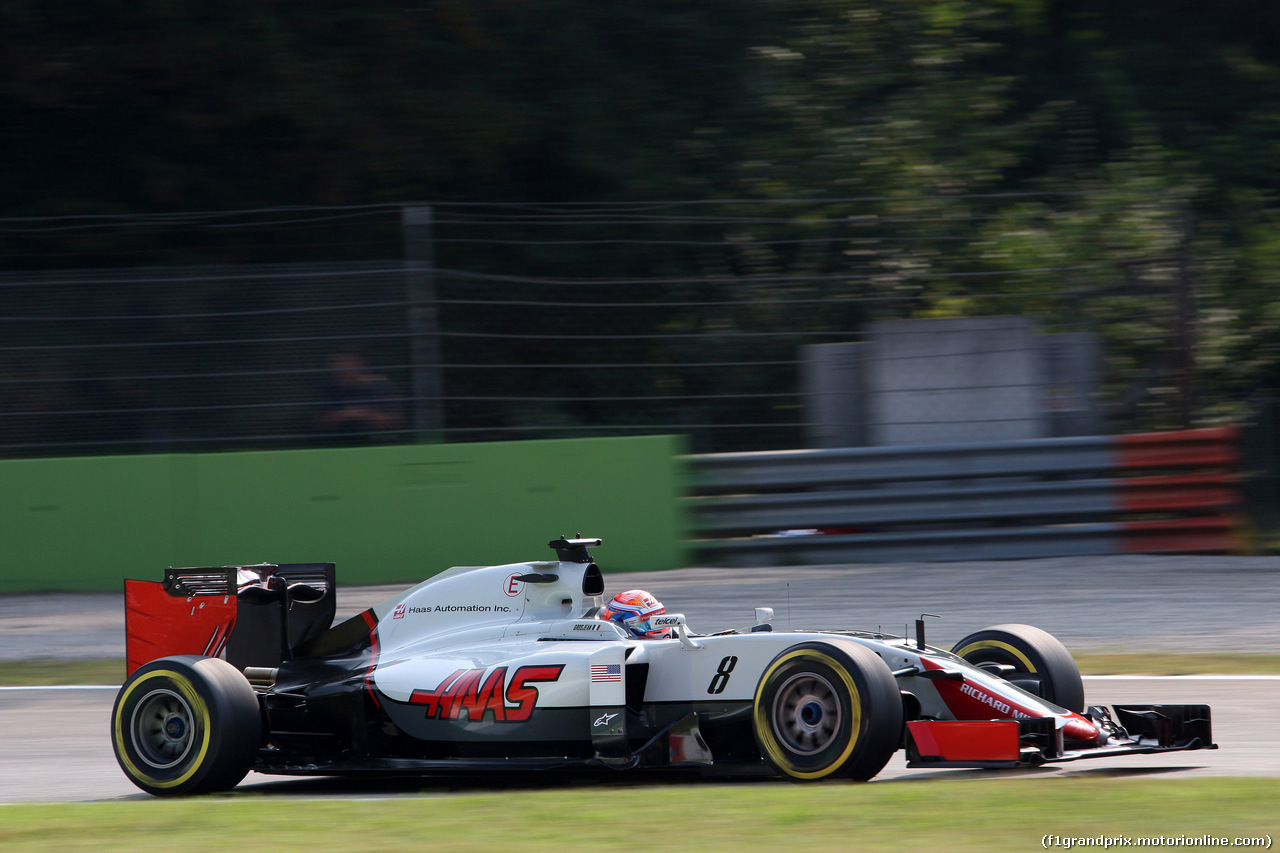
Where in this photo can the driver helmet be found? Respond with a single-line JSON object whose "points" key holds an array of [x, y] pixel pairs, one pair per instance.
{"points": [[632, 610]]}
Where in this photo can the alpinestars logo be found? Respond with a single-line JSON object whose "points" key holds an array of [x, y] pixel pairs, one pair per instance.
{"points": [[471, 692]]}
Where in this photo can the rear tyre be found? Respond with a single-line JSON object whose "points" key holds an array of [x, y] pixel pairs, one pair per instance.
{"points": [[1041, 664], [824, 711], [186, 725]]}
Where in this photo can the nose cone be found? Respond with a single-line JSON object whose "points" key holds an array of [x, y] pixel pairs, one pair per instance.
{"points": [[1079, 729]]}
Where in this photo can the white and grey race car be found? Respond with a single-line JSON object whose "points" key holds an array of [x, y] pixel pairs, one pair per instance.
{"points": [[238, 668]]}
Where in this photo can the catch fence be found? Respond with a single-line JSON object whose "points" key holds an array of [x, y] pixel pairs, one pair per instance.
{"points": [[524, 322]]}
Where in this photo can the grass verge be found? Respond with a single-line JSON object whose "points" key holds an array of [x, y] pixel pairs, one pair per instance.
{"points": [[42, 673], [1014, 813], [1126, 663]]}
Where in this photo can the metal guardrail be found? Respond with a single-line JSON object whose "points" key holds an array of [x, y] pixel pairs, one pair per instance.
{"points": [[1153, 492]]}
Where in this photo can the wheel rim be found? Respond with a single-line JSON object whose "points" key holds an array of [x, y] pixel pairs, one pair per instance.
{"points": [[806, 714], [163, 728]]}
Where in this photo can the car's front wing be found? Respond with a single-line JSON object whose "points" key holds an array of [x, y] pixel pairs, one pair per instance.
{"points": [[1125, 730]]}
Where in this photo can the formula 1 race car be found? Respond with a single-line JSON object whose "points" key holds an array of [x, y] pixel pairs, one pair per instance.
{"points": [[237, 668]]}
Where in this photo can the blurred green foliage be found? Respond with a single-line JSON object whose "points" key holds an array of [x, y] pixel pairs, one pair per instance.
{"points": [[912, 158]]}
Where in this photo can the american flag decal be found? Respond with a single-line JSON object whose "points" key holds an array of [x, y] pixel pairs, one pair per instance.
{"points": [[606, 672]]}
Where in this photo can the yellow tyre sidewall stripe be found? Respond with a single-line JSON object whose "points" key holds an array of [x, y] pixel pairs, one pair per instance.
{"points": [[198, 708], [775, 752], [997, 644]]}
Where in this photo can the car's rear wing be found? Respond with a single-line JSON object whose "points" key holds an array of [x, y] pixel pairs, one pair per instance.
{"points": [[253, 615]]}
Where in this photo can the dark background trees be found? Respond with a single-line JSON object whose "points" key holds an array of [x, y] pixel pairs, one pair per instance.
{"points": [[751, 168]]}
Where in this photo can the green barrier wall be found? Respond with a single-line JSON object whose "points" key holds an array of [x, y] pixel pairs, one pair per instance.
{"points": [[383, 514]]}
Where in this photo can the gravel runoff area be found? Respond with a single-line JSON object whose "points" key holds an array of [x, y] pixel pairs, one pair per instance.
{"points": [[1132, 602]]}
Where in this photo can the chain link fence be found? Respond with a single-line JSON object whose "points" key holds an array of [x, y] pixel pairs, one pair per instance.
{"points": [[480, 329]]}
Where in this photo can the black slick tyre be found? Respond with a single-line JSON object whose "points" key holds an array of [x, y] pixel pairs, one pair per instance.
{"points": [[827, 710], [186, 725], [1040, 662]]}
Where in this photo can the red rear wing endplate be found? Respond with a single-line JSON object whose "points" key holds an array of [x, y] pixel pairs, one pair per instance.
{"points": [[158, 624]]}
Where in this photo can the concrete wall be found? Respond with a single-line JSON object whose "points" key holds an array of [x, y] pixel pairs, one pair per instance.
{"points": [[915, 382], [383, 514], [833, 384], [1073, 371], [969, 379]]}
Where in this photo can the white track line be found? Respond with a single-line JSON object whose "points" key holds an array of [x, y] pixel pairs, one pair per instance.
{"points": [[1181, 677]]}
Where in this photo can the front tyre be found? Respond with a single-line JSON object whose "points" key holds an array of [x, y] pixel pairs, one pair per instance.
{"points": [[824, 710], [186, 725], [1041, 664]]}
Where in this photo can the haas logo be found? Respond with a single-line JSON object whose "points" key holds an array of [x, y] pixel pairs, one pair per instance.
{"points": [[468, 691]]}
